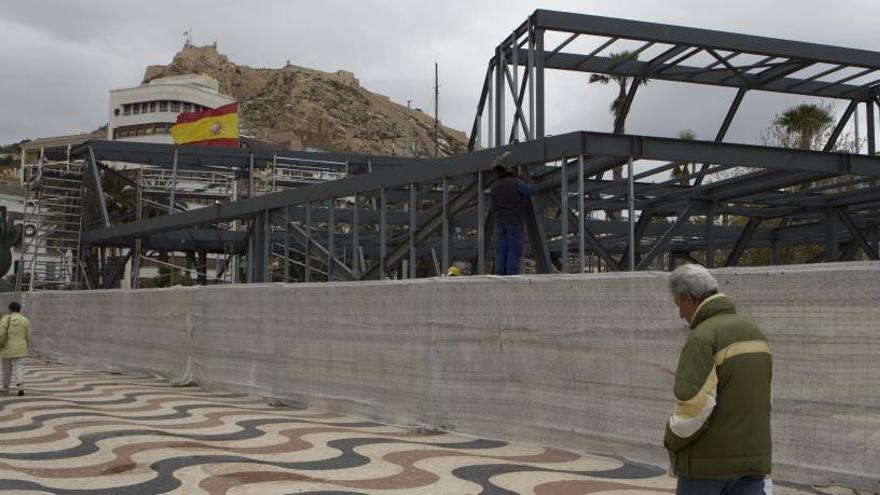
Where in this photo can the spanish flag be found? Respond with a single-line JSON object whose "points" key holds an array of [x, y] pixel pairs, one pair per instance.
{"points": [[217, 127]]}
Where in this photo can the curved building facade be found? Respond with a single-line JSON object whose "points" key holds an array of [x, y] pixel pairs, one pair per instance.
{"points": [[147, 112]]}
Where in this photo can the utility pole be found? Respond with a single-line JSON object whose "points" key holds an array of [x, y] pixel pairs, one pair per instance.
{"points": [[436, 112]]}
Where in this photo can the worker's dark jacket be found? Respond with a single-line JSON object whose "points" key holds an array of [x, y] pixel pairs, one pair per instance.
{"points": [[720, 427], [509, 199]]}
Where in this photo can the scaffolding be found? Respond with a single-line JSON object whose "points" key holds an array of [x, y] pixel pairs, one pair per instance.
{"points": [[53, 211]]}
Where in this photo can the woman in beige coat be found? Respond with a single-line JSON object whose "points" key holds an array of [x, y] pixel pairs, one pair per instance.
{"points": [[15, 331]]}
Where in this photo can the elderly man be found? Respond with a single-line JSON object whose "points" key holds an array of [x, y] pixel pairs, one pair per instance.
{"points": [[718, 437]]}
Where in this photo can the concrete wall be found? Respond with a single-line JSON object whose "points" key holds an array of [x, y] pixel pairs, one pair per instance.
{"points": [[581, 361]]}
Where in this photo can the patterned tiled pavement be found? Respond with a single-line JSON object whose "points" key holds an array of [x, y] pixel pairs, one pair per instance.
{"points": [[80, 431]]}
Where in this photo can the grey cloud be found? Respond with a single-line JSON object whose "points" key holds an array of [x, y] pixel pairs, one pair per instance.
{"points": [[61, 58]]}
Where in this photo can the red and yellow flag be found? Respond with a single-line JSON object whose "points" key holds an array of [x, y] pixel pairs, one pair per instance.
{"points": [[217, 127]]}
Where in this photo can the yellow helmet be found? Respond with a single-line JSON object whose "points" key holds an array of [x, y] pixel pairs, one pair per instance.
{"points": [[453, 272]]}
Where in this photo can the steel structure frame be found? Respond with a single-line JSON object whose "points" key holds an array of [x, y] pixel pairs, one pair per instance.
{"points": [[392, 212]]}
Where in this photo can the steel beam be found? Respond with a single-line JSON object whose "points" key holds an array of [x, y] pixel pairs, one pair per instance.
{"points": [[636, 68], [587, 234], [858, 237], [303, 237], [719, 40], [620, 121], [481, 105], [573, 144], [99, 189], [841, 124], [661, 243], [743, 242]]}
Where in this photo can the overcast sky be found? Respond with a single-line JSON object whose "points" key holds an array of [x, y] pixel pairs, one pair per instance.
{"points": [[61, 58]]}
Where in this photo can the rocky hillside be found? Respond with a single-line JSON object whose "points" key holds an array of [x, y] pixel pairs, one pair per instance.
{"points": [[330, 111]]}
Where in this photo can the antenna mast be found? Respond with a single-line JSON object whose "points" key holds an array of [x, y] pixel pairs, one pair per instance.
{"points": [[436, 118]]}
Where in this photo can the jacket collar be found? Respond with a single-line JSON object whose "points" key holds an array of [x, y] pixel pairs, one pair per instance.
{"points": [[712, 306]]}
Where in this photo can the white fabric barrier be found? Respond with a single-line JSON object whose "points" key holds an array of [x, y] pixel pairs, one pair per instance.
{"points": [[583, 361]]}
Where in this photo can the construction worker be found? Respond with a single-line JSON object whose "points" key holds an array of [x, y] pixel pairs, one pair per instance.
{"points": [[509, 196]]}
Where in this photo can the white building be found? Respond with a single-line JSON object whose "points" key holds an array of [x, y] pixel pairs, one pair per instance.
{"points": [[146, 113]]}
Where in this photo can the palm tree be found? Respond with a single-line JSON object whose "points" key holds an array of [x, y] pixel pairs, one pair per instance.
{"points": [[616, 107], [683, 173], [805, 121]]}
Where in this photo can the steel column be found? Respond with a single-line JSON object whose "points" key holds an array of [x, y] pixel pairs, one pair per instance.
{"points": [[286, 244], [539, 83], [531, 79], [413, 216], [589, 236], [481, 229], [499, 93], [491, 104], [515, 86], [563, 252], [869, 113], [251, 178], [136, 259], [582, 251], [355, 237], [444, 247], [632, 213], [382, 233], [331, 227], [173, 183], [308, 243]]}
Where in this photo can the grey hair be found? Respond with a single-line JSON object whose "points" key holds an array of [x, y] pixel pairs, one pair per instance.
{"points": [[693, 280]]}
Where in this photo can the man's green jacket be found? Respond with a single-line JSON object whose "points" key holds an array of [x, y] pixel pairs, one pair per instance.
{"points": [[720, 427]]}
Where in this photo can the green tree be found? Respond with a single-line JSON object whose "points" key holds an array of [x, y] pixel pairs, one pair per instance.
{"points": [[623, 83], [804, 125], [682, 173]]}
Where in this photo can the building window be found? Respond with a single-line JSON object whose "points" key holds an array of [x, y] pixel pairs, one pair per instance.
{"points": [[126, 109], [152, 106], [163, 106], [175, 106], [136, 108], [187, 107]]}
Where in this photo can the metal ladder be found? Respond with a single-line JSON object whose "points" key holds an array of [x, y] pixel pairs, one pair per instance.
{"points": [[53, 226]]}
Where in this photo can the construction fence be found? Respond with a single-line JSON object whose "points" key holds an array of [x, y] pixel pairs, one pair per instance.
{"points": [[581, 361]]}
